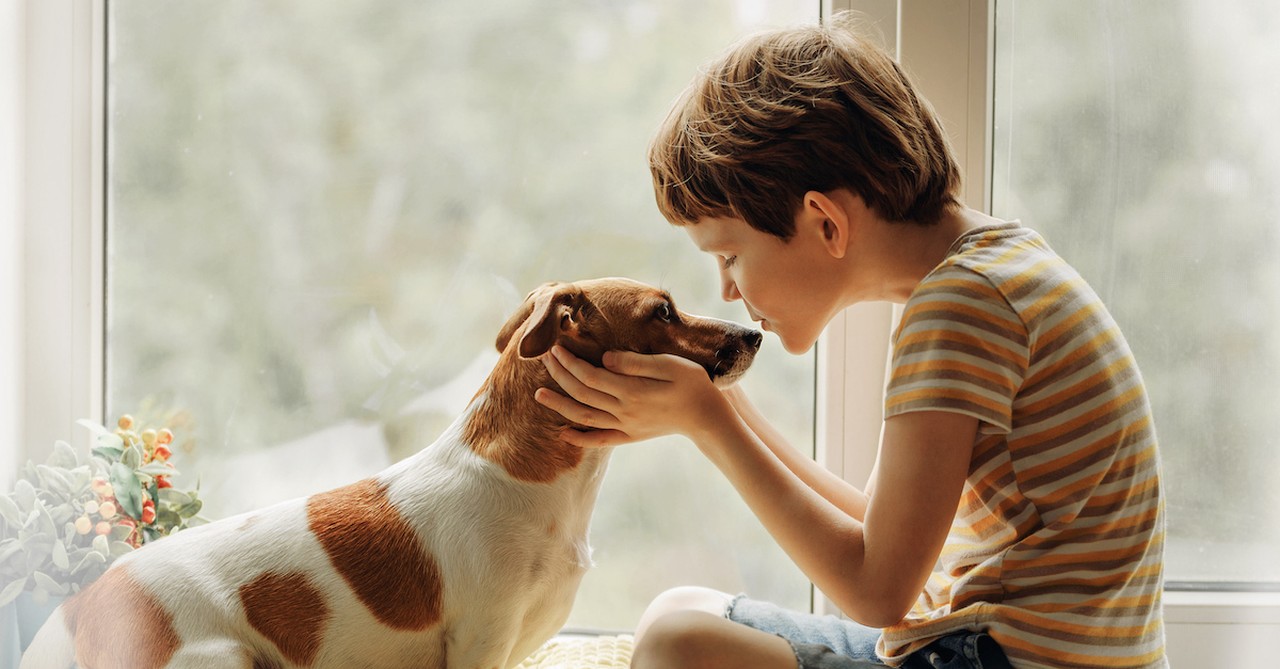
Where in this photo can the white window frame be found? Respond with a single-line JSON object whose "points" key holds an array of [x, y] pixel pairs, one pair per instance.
{"points": [[53, 336]]}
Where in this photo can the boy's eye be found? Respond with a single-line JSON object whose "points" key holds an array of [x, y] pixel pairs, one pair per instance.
{"points": [[728, 262]]}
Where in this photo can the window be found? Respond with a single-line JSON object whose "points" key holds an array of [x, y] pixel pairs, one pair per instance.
{"points": [[1139, 137], [319, 214]]}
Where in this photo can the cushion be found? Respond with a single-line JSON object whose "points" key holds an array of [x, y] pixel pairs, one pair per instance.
{"points": [[580, 652]]}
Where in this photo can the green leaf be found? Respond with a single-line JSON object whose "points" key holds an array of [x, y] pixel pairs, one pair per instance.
{"points": [[158, 469], [12, 590], [120, 533], [47, 524], [60, 559], [109, 453], [93, 427], [132, 457], [110, 440], [25, 495], [90, 558], [189, 510], [9, 548], [63, 456], [10, 512], [48, 583], [119, 548], [101, 545], [128, 489], [175, 497], [54, 480]]}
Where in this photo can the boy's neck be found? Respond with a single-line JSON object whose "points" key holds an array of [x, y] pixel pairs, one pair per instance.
{"points": [[920, 249]]}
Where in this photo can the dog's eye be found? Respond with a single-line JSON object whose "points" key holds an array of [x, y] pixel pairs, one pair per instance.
{"points": [[664, 313]]}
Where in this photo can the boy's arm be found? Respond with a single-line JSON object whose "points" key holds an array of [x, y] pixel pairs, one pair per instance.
{"points": [[836, 490], [873, 570]]}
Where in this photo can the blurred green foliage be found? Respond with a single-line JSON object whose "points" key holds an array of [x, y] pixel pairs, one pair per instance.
{"points": [[322, 212]]}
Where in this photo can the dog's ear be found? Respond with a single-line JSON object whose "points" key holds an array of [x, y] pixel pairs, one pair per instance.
{"points": [[546, 313], [520, 316]]}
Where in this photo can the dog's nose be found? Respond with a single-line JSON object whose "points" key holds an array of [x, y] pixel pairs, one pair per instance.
{"points": [[753, 339]]}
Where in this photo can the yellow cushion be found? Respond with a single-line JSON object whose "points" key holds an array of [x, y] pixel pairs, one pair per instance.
{"points": [[601, 652]]}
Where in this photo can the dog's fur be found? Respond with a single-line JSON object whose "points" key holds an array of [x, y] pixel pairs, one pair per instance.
{"points": [[466, 555]]}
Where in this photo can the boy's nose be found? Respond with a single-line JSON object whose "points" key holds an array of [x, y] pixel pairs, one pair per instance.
{"points": [[729, 289]]}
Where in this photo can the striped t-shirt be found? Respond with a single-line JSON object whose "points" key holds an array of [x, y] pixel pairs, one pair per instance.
{"points": [[1056, 548]]}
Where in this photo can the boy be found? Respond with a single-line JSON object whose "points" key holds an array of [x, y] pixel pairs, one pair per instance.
{"points": [[1018, 452]]}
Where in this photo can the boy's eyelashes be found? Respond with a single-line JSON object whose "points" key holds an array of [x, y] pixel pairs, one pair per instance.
{"points": [[727, 262]]}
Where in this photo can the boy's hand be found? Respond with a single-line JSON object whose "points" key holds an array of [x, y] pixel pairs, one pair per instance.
{"points": [[634, 397]]}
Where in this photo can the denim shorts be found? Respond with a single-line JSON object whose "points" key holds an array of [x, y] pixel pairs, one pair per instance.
{"points": [[828, 642]]}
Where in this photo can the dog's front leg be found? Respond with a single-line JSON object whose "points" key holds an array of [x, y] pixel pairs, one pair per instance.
{"points": [[212, 654], [484, 643]]}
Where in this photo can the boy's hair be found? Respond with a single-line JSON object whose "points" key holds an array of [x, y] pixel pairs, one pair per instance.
{"points": [[789, 111]]}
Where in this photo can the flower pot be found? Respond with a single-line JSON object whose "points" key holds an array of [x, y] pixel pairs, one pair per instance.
{"points": [[31, 615], [10, 648]]}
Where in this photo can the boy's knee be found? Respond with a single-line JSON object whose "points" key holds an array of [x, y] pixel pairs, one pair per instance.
{"points": [[684, 598], [678, 639]]}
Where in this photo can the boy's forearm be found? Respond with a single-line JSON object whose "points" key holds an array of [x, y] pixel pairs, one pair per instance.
{"points": [[825, 541], [836, 490]]}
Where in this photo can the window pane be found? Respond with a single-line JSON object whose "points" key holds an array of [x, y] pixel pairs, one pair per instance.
{"points": [[1140, 137], [321, 213]]}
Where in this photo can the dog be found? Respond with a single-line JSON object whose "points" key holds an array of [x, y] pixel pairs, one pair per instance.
{"points": [[466, 555]]}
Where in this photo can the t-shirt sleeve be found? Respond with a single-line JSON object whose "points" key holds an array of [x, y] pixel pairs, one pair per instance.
{"points": [[961, 348]]}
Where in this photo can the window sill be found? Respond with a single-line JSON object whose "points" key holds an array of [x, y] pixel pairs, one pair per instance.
{"points": [[1222, 608]]}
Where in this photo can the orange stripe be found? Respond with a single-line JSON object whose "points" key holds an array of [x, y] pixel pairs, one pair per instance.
{"points": [[1033, 273], [1084, 419], [984, 373], [1051, 653], [1055, 624], [944, 305], [900, 399], [1109, 372], [1058, 464], [1074, 561], [1101, 340], [1141, 601]]}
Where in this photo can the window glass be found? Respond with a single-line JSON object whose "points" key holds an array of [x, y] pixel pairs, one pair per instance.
{"points": [[320, 213], [1140, 138]]}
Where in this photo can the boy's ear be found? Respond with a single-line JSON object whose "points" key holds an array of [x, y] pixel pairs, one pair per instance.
{"points": [[830, 219]]}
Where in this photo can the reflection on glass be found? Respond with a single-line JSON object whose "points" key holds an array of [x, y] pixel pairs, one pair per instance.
{"points": [[1139, 137]]}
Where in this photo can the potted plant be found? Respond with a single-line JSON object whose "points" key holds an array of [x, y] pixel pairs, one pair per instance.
{"points": [[68, 519]]}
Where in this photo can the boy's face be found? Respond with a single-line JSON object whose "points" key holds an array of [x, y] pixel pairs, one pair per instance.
{"points": [[790, 287]]}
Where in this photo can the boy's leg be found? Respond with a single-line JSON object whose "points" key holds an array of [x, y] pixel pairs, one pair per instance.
{"points": [[692, 627], [708, 641], [685, 598]]}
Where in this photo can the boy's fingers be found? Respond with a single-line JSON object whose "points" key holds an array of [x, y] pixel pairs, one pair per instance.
{"points": [[571, 383], [650, 366], [574, 411], [594, 438]]}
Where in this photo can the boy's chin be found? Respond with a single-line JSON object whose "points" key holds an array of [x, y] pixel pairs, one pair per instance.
{"points": [[795, 345]]}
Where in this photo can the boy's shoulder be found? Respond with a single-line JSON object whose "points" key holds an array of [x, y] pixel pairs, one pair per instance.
{"points": [[1013, 264]]}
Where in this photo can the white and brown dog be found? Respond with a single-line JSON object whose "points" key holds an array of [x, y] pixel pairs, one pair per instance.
{"points": [[466, 555]]}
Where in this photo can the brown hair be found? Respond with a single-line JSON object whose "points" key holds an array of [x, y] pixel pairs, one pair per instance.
{"points": [[789, 111]]}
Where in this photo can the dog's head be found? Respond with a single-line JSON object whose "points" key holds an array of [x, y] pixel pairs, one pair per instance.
{"points": [[598, 315]]}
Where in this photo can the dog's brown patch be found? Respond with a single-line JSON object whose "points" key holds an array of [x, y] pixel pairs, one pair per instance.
{"points": [[539, 460], [117, 623], [510, 429], [289, 611], [378, 553]]}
